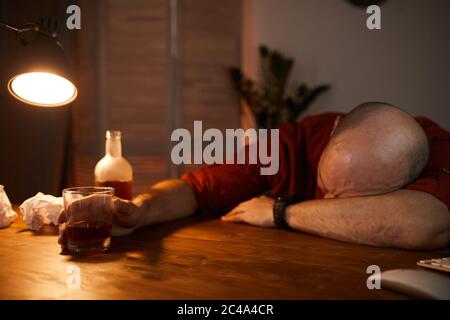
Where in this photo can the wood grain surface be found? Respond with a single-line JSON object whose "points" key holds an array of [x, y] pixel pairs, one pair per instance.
{"points": [[197, 259]]}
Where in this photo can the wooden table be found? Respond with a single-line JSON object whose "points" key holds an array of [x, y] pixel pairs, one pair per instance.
{"points": [[197, 259]]}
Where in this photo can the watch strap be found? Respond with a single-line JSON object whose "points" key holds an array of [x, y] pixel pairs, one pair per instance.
{"points": [[279, 210]]}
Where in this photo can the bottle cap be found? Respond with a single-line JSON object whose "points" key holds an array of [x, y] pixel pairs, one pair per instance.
{"points": [[113, 134]]}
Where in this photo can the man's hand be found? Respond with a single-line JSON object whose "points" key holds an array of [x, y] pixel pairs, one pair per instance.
{"points": [[256, 211], [126, 217]]}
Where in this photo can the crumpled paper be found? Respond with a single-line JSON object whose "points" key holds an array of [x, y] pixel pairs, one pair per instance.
{"points": [[41, 209], [7, 214]]}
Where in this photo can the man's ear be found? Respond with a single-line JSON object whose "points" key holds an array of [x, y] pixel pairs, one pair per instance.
{"points": [[336, 122]]}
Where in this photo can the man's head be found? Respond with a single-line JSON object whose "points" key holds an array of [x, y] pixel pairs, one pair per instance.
{"points": [[374, 149]]}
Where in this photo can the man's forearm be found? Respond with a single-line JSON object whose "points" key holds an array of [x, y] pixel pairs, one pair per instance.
{"points": [[405, 219], [166, 201]]}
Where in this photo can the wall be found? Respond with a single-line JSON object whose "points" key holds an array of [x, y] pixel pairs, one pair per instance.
{"points": [[405, 63]]}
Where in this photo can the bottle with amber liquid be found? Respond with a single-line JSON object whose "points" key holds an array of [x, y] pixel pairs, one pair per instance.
{"points": [[113, 170]]}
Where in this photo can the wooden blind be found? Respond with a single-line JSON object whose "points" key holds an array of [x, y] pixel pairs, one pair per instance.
{"points": [[124, 69]]}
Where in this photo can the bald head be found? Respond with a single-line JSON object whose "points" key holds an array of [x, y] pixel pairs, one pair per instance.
{"points": [[376, 148]]}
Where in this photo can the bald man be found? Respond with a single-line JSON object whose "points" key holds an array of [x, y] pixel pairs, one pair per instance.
{"points": [[375, 176]]}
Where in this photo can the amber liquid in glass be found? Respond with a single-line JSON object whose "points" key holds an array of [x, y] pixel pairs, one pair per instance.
{"points": [[89, 237], [122, 189], [86, 235]]}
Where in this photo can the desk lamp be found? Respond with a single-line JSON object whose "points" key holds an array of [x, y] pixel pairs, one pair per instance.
{"points": [[37, 69]]}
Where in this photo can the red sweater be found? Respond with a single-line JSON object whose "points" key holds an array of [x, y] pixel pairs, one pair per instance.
{"points": [[219, 188]]}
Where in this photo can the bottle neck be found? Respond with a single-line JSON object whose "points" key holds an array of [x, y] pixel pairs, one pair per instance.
{"points": [[113, 147]]}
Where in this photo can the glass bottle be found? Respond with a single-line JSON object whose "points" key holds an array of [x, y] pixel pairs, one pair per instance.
{"points": [[113, 170]]}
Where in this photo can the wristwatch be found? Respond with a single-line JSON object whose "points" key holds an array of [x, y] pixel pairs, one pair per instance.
{"points": [[279, 209]]}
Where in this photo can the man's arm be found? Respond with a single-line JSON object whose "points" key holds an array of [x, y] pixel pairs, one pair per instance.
{"points": [[404, 219], [165, 201]]}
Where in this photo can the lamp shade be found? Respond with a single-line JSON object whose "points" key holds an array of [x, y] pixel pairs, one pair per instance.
{"points": [[37, 70]]}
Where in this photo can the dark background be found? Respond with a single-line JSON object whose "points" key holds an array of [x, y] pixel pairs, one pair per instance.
{"points": [[33, 140], [146, 67]]}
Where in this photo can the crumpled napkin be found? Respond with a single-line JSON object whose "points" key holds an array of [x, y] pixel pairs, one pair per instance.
{"points": [[41, 209], [7, 214]]}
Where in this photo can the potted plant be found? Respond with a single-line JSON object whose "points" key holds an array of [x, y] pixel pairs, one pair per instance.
{"points": [[268, 101]]}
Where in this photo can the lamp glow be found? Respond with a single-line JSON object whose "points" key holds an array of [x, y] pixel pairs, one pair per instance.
{"points": [[42, 89]]}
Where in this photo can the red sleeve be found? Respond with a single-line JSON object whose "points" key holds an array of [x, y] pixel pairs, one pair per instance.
{"points": [[435, 178], [219, 188]]}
